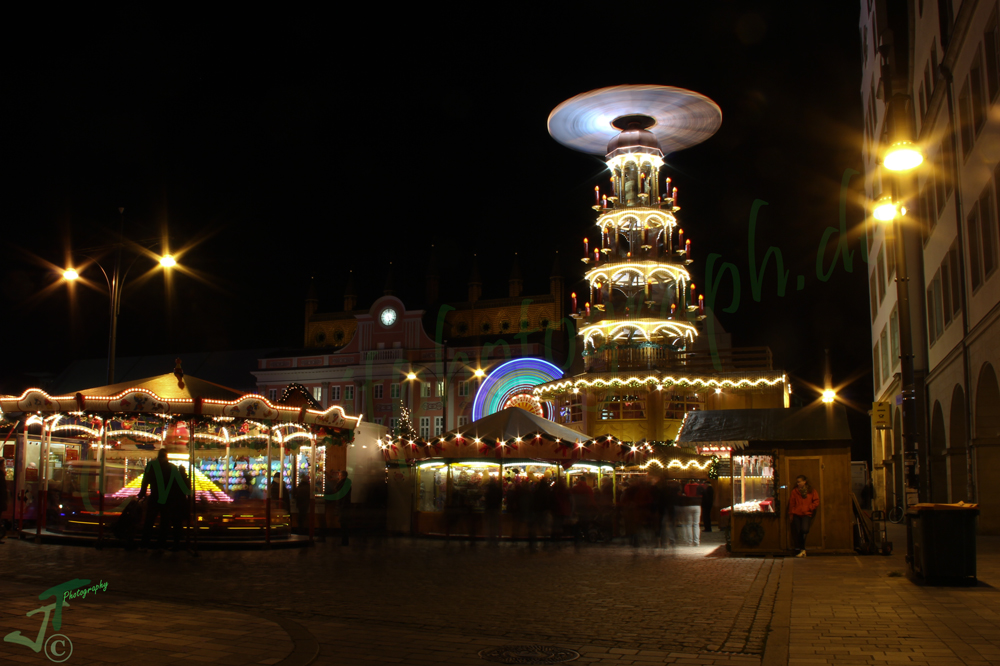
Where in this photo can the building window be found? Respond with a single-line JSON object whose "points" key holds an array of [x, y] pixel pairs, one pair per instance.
{"points": [[440, 389], [272, 395], [884, 341], [334, 393], [938, 309], [349, 392], [425, 389], [393, 424], [931, 337], [923, 102], [890, 251], [378, 420], [981, 227], [946, 291], [438, 425], [318, 393], [894, 336], [393, 390], [928, 206], [463, 389], [977, 98], [615, 406], [880, 267], [425, 427], [678, 403], [956, 284], [877, 366], [965, 119], [873, 290], [991, 47], [989, 225], [377, 391], [572, 410], [463, 421]]}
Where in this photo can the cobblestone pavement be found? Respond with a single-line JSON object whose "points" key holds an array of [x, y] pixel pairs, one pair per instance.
{"points": [[409, 601], [853, 610], [427, 602]]}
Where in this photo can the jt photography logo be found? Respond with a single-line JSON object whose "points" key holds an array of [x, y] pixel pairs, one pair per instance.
{"points": [[58, 647]]}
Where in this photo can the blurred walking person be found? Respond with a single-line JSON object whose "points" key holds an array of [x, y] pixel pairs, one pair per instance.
{"points": [[707, 501], [802, 504]]}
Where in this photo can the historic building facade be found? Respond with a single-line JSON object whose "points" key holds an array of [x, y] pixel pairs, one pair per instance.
{"points": [[942, 63]]}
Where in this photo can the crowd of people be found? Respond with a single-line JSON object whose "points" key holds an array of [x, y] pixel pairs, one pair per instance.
{"points": [[647, 510]]}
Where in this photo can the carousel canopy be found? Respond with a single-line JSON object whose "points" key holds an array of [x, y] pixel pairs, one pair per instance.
{"points": [[167, 386], [175, 394], [737, 427], [516, 422]]}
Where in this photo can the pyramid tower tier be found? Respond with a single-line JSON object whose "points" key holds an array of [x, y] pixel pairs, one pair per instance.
{"points": [[668, 332], [658, 221], [632, 274]]}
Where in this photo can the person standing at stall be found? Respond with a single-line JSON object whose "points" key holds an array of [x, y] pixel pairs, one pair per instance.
{"points": [[707, 500], [802, 505], [159, 476], [303, 493]]}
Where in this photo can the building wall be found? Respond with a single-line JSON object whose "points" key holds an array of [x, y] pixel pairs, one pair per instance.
{"points": [[940, 196]]}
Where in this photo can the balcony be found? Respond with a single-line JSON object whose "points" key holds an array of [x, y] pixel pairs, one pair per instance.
{"points": [[382, 355], [701, 362]]}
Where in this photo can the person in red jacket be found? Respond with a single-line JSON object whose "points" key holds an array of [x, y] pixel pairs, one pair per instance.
{"points": [[802, 504]]}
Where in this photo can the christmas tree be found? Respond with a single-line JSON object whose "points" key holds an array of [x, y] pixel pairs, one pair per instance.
{"points": [[404, 426]]}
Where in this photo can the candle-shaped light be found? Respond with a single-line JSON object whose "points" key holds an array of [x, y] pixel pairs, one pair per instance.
{"points": [[597, 194], [604, 200], [647, 291], [642, 182], [573, 296], [587, 306], [691, 302], [586, 248], [668, 186], [687, 247], [680, 237], [645, 235], [673, 306], [701, 303], [675, 196], [597, 256]]}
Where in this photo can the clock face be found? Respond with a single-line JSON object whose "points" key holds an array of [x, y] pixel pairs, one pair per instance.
{"points": [[388, 317]]}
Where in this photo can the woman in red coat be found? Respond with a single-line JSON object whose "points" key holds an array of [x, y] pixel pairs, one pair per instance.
{"points": [[802, 504]]}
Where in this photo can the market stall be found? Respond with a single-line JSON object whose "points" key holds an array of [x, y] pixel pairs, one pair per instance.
{"points": [[79, 459], [767, 449]]}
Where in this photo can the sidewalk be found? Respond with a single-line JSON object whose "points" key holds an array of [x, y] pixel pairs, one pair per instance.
{"points": [[860, 610]]}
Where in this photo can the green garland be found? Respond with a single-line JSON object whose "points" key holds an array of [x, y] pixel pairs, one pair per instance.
{"points": [[713, 469]]}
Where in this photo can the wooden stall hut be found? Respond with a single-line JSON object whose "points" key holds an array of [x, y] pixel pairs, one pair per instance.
{"points": [[767, 450]]}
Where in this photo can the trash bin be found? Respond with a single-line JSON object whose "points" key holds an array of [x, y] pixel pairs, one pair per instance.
{"points": [[941, 541]]}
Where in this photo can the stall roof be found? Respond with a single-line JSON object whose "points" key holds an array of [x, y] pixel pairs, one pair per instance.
{"points": [[516, 422], [737, 427]]}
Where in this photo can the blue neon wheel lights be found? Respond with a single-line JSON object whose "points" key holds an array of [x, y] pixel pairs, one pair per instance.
{"points": [[516, 376]]}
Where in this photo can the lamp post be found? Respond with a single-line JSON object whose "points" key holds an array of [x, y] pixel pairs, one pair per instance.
{"points": [[901, 157], [115, 282]]}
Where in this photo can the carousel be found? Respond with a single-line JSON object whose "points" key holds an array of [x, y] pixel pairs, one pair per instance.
{"points": [[78, 460]]}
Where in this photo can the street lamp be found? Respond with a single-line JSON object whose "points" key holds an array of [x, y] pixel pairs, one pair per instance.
{"points": [[829, 396], [901, 157], [115, 281]]}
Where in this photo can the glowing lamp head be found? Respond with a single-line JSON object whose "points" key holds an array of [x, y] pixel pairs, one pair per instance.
{"points": [[479, 373], [168, 261], [411, 376], [902, 156], [829, 396], [70, 274], [885, 210]]}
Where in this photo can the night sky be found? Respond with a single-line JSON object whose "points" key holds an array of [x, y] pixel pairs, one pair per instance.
{"points": [[279, 149]]}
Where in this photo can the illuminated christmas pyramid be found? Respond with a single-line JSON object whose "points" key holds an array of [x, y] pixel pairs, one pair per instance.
{"points": [[204, 489]]}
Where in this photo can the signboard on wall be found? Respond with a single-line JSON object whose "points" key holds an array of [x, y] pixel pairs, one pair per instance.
{"points": [[880, 416]]}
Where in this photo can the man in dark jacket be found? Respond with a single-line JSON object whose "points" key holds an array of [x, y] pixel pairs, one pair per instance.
{"points": [[159, 477], [303, 493]]}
